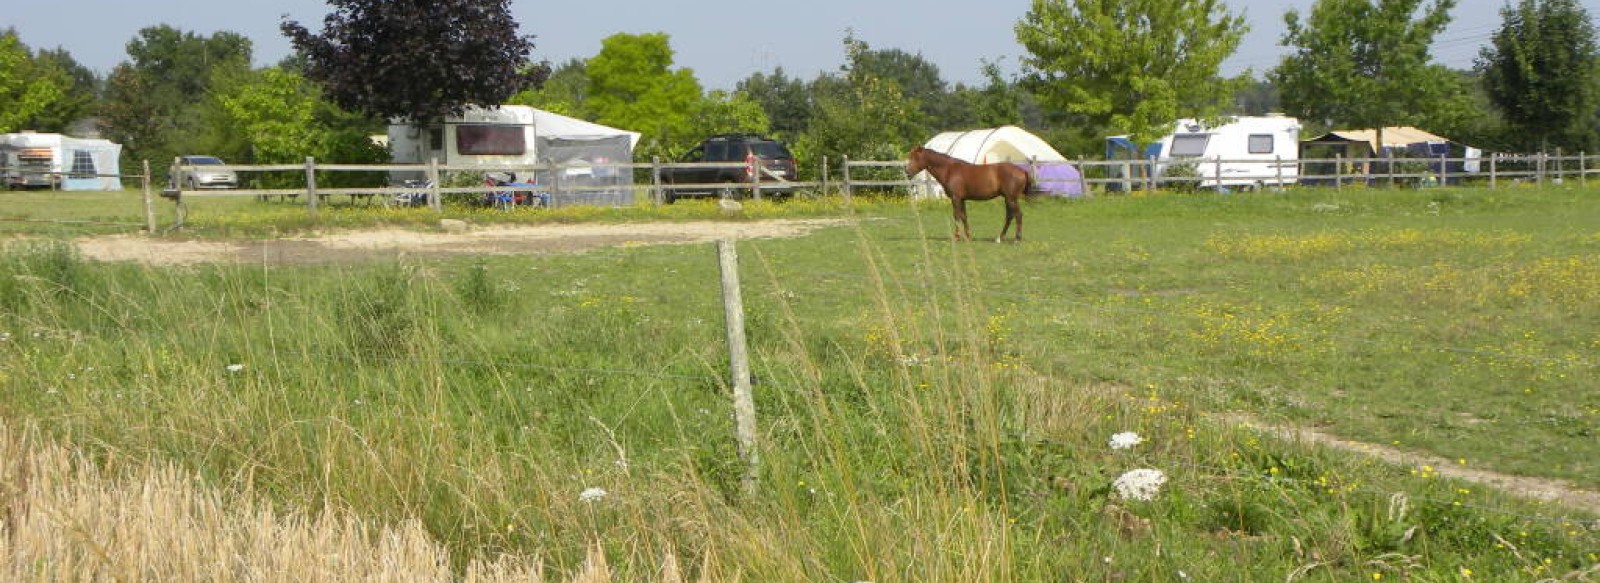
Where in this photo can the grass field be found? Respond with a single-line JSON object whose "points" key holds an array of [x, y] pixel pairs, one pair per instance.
{"points": [[928, 411]]}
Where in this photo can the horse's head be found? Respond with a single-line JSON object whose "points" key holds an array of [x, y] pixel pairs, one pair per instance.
{"points": [[916, 161]]}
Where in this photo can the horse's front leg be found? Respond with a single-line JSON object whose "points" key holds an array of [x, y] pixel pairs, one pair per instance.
{"points": [[959, 207]]}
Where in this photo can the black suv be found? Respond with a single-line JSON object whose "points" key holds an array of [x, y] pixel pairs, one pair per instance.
{"points": [[750, 152]]}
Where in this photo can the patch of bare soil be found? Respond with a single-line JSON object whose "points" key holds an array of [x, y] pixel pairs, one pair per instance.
{"points": [[356, 246], [1554, 491]]}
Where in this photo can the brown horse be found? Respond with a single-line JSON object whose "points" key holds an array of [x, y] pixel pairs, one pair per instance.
{"points": [[963, 180]]}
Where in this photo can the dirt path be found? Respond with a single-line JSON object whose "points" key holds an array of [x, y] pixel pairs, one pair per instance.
{"points": [[1554, 491], [357, 246]]}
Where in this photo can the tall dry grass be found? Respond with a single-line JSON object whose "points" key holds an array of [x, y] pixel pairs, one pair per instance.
{"points": [[64, 517]]}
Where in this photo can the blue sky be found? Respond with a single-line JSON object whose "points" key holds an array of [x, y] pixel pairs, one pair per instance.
{"points": [[721, 41]]}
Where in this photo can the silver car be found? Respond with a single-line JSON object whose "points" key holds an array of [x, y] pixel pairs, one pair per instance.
{"points": [[201, 177]]}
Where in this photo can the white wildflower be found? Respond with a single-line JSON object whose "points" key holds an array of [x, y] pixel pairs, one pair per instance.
{"points": [[1141, 484], [1125, 440], [592, 495], [235, 367]]}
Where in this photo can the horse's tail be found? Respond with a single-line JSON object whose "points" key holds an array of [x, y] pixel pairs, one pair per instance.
{"points": [[1030, 183]]}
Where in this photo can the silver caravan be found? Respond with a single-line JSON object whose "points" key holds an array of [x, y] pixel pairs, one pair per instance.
{"points": [[1240, 153]]}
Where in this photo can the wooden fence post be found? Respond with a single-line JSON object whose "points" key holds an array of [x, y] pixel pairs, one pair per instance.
{"points": [[756, 169], [149, 202], [656, 194], [823, 179], [1083, 179], [1150, 174], [1389, 165], [1494, 159], [744, 408], [846, 170], [1338, 172], [311, 186], [435, 198], [1217, 177], [1583, 169]]}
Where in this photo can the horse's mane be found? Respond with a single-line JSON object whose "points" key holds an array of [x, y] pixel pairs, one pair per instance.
{"points": [[939, 158]]}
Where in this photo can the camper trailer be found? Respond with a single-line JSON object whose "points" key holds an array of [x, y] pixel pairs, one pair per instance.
{"points": [[1241, 153], [575, 159], [45, 160]]}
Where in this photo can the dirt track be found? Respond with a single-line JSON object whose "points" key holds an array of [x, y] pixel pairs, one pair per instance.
{"points": [[356, 246]]}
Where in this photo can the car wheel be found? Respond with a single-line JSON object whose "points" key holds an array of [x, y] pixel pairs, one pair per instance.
{"points": [[669, 197]]}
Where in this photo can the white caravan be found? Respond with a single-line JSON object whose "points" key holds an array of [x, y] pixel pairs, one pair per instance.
{"points": [[576, 161], [32, 160], [1243, 152], [510, 136]]}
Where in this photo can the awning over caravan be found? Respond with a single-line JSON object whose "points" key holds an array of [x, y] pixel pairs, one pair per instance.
{"points": [[71, 163], [1052, 173], [1399, 142], [556, 125], [1393, 138]]}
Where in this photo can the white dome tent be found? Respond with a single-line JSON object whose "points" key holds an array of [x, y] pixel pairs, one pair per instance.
{"points": [[1052, 173]]}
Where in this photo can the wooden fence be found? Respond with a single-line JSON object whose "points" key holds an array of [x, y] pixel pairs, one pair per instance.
{"points": [[432, 184]]}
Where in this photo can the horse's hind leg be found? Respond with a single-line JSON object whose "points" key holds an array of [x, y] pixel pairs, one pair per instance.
{"points": [[962, 228], [1012, 203], [1013, 209]]}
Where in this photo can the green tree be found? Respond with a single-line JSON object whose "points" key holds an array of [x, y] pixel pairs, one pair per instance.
{"points": [[182, 62], [153, 102], [786, 100], [859, 114], [28, 88], [417, 60], [1540, 73], [276, 116], [632, 85], [721, 112], [566, 91], [1365, 63], [919, 82], [1255, 97], [1130, 66], [999, 101], [80, 97]]}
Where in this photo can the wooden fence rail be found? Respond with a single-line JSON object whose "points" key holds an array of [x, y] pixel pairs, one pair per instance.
{"points": [[556, 184]]}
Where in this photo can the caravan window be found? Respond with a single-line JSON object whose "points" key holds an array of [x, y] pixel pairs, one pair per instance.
{"points": [[1189, 145], [1260, 143], [490, 140], [82, 164]]}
